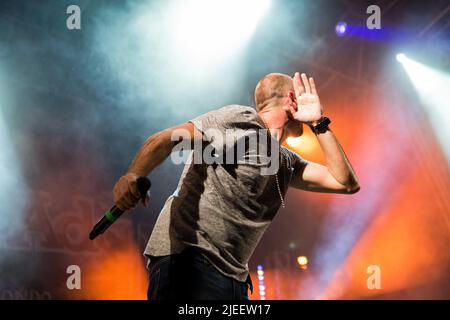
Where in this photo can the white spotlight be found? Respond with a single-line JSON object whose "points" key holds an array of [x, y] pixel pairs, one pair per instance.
{"points": [[208, 30], [13, 192], [401, 57], [432, 87]]}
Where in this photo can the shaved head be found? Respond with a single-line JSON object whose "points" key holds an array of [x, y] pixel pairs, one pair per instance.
{"points": [[271, 89]]}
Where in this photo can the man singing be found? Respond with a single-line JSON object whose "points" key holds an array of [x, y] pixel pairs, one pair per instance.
{"points": [[209, 228]]}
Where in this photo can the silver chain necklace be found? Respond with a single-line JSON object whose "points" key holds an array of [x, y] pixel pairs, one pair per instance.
{"points": [[276, 174]]}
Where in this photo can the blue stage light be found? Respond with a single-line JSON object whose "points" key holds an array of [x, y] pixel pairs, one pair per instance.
{"points": [[341, 28]]}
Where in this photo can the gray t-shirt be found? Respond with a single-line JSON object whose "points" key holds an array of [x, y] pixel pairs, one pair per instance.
{"points": [[223, 209]]}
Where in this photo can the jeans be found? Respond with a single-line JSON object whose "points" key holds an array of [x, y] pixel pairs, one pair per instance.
{"points": [[190, 276]]}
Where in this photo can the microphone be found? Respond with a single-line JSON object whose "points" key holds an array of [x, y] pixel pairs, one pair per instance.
{"points": [[143, 185]]}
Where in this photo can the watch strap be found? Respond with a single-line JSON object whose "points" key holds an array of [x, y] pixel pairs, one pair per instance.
{"points": [[322, 126]]}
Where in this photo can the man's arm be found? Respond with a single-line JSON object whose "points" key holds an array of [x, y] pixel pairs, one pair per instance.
{"points": [[338, 176], [152, 153]]}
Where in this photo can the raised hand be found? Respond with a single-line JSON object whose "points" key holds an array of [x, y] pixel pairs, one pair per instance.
{"points": [[309, 109]]}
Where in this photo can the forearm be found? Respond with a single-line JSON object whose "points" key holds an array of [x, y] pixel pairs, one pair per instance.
{"points": [[337, 162], [152, 153]]}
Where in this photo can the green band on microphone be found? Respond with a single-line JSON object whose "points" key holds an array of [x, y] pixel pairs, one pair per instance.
{"points": [[110, 216]]}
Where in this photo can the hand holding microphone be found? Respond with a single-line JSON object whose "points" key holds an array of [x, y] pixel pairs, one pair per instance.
{"points": [[126, 194], [128, 191]]}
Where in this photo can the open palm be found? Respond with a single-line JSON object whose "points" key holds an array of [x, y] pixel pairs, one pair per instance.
{"points": [[309, 108]]}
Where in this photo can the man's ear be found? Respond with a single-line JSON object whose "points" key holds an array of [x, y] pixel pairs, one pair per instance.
{"points": [[292, 99], [291, 95]]}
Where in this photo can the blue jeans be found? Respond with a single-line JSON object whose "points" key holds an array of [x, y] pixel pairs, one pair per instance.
{"points": [[190, 276]]}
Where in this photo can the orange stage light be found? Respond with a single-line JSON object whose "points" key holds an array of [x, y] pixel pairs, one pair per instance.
{"points": [[302, 261], [121, 275], [306, 146]]}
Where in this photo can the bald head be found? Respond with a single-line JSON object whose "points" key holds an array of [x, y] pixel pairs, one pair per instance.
{"points": [[271, 89]]}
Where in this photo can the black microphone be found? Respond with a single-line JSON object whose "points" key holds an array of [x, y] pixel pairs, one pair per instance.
{"points": [[143, 185]]}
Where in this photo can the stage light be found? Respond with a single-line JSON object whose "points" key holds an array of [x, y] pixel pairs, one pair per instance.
{"points": [[210, 30], [292, 245], [261, 286], [401, 57], [294, 142], [432, 87], [306, 145], [13, 191], [303, 262], [341, 28]]}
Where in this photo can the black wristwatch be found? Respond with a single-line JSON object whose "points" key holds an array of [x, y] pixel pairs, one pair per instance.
{"points": [[322, 126]]}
